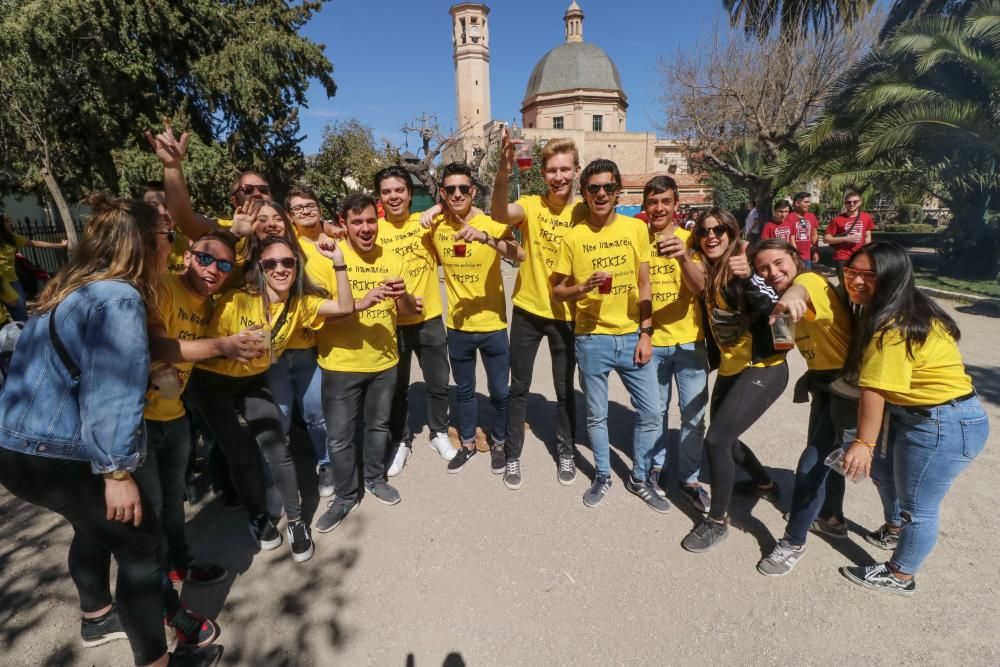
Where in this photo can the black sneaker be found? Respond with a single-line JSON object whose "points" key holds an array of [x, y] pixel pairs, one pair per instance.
{"points": [[879, 578], [384, 491], [193, 629], [699, 497], [837, 531], [264, 532], [654, 482], [598, 489], [567, 470], [512, 474], [324, 475], [883, 538], [208, 656], [463, 456], [705, 536], [498, 459], [300, 541], [645, 491], [337, 510], [101, 630], [747, 487]]}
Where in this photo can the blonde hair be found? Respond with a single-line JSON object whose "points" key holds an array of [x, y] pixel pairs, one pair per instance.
{"points": [[561, 145], [119, 243]]}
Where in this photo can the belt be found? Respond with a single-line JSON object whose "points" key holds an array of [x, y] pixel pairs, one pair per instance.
{"points": [[925, 410]]}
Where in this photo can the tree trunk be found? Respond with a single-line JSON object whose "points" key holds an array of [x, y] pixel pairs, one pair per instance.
{"points": [[971, 249], [56, 192]]}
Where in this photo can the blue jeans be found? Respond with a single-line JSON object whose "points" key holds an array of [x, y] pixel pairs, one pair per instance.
{"points": [[688, 363], [598, 355], [495, 352], [926, 449], [295, 379]]}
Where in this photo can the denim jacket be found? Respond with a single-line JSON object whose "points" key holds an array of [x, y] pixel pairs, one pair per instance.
{"points": [[97, 418]]}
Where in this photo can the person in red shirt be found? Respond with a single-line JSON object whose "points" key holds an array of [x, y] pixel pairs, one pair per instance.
{"points": [[806, 228], [779, 226], [848, 231]]}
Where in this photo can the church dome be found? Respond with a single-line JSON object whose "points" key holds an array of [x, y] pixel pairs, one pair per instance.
{"points": [[571, 66]]}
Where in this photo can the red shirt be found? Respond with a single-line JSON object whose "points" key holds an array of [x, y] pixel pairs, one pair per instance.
{"points": [[797, 230], [855, 227]]}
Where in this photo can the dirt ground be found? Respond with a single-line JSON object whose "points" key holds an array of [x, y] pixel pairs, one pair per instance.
{"points": [[466, 572]]}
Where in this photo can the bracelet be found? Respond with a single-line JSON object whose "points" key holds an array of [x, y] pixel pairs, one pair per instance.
{"points": [[339, 267], [859, 441]]}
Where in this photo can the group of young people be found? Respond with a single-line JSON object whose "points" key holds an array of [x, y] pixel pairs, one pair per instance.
{"points": [[163, 314]]}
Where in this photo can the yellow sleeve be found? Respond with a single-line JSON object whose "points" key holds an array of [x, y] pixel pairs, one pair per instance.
{"points": [[226, 312], [225, 223], [20, 241], [642, 243], [165, 301], [887, 367], [820, 293], [310, 318], [564, 263]]}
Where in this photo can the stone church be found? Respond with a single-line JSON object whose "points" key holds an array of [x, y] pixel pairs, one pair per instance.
{"points": [[574, 91]]}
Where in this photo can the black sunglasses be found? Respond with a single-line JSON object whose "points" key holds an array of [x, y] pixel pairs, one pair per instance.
{"points": [[451, 189], [250, 187], [205, 259], [703, 232], [594, 188], [171, 236], [272, 264]]}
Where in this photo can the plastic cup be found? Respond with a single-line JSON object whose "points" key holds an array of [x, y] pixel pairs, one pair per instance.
{"points": [[166, 381], [459, 249], [835, 461], [605, 287], [783, 332], [524, 154]]}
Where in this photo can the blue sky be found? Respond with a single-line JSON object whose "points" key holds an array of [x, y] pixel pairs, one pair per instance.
{"points": [[393, 60]]}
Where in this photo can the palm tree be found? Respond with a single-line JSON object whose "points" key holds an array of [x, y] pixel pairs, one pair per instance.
{"points": [[925, 103]]}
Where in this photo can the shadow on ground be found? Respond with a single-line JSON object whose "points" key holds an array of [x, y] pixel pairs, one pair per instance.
{"points": [[986, 380]]}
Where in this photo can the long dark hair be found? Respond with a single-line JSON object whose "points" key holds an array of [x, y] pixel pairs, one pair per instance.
{"points": [[717, 271], [897, 304], [6, 234]]}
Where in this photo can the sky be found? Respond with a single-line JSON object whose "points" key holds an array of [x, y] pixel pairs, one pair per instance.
{"points": [[393, 58]]}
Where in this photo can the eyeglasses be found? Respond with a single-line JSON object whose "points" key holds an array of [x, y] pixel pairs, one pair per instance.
{"points": [[703, 232], [272, 264], [171, 236], [303, 208], [866, 276], [451, 189], [853, 202], [594, 188], [205, 259], [249, 188]]}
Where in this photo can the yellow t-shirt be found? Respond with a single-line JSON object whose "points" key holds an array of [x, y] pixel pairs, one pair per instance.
{"points": [[734, 359], [175, 260], [676, 315], [824, 334], [7, 253], [240, 309], [304, 337], [617, 248], [411, 242], [364, 342], [473, 283], [934, 375], [185, 316], [542, 232]]}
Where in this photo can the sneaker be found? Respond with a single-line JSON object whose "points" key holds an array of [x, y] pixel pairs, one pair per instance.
{"points": [[512, 474], [654, 482], [747, 487], [325, 475], [192, 628], [879, 578], [782, 559], [385, 492], [300, 541], [399, 460], [463, 456], [208, 656], [101, 630], [498, 459], [441, 444], [645, 491], [598, 489], [567, 470], [337, 509], [197, 572], [706, 535], [264, 532], [837, 531], [883, 538], [698, 496]]}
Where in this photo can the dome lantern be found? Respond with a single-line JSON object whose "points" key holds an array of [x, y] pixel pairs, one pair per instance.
{"points": [[574, 23]]}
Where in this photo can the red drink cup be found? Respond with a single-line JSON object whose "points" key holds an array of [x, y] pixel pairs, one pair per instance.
{"points": [[459, 249], [605, 287], [524, 154]]}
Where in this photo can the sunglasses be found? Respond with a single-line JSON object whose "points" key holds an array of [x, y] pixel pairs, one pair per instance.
{"points": [[853, 202], [249, 188], [272, 264], [171, 236], [204, 259], [451, 189], [866, 276], [703, 232], [594, 188], [302, 208]]}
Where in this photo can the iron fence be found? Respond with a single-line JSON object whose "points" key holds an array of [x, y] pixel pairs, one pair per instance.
{"points": [[50, 259]]}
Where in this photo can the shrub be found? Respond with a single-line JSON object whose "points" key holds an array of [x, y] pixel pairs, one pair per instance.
{"points": [[909, 214], [907, 229]]}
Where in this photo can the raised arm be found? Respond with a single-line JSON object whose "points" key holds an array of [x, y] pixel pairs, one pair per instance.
{"points": [[500, 210], [344, 305], [171, 152], [243, 346]]}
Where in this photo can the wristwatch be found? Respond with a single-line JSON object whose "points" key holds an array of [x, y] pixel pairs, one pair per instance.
{"points": [[117, 475], [646, 330]]}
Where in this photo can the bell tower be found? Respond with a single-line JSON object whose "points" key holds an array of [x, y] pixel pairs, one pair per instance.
{"points": [[471, 45]]}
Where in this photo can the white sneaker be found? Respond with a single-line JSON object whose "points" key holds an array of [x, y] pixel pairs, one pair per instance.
{"points": [[442, 445], [399, 460]]}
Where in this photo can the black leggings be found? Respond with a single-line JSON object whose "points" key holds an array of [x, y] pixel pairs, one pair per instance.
{"points": [[737, 402], [220, 399], [70, 489]]}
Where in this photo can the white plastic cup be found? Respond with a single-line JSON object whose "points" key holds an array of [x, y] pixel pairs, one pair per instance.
{"points": [[166, 381], [835, 461]]}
